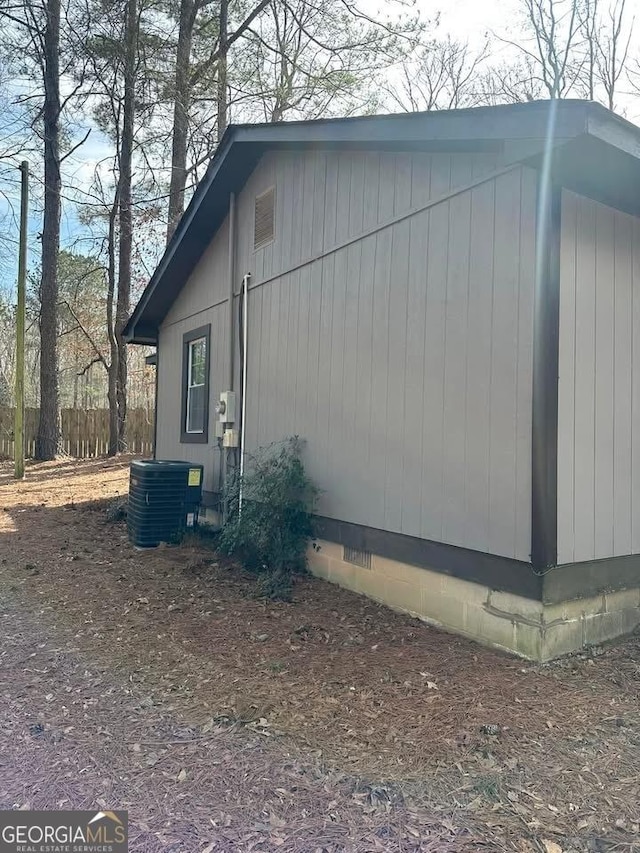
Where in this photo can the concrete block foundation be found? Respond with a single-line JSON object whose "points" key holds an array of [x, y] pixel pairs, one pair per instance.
{"points": [[528, 628]]}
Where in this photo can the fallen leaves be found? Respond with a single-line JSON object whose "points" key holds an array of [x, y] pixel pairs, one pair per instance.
{"points": [[205, 698]]}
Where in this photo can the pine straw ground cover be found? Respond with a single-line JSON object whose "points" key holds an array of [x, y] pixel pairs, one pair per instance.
{"points": [[156, 681]]}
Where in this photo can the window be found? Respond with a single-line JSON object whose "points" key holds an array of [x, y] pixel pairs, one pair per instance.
{"points": [[195, 386], [264, 218]]}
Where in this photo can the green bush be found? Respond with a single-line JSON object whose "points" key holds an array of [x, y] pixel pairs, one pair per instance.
{"points": [[269, 534]]}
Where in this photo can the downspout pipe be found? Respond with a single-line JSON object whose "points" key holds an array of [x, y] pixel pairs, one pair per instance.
{"points": [[245, 350], [155, 413]]}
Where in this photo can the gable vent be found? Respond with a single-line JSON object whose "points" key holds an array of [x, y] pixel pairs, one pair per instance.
{"points": [[264, 223], [357, 557]]}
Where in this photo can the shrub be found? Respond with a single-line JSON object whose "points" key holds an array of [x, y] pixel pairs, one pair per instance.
{"points": [[270, 532], [117, 510]]}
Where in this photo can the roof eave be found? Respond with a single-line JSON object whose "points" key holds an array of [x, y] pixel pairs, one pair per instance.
{"points": [[522, 128], [143, 335], [130, 334], [613, 129]]}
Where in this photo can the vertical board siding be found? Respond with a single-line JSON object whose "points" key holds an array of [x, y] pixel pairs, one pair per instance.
{"points": [[337, 411], [208, 283], [635, 392], [603, 386], [454, 425], [168, 445], [524, 354], [599, 382], [622, 383], [566, 380], [412, 442], [325, 197], [478, 363], [397, 374], [363, 466], [584, 391], [380, 415], [404, 360], [433, 373], [504, 363]]}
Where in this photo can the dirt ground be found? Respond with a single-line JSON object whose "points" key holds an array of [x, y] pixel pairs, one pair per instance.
{"points": [[155, 681]]}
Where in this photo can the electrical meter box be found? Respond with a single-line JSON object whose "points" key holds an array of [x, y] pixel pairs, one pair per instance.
{"points": [[227, 407]]}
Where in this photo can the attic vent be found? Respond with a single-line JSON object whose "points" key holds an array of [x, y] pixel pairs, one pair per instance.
{"points": [[357, 557], [264, 223]]}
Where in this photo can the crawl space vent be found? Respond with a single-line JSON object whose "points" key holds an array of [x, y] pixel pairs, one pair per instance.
{"points": [[357, 557], [264, 223]]}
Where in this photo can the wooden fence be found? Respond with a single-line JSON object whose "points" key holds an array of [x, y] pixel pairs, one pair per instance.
{"points": [[85, 433]]}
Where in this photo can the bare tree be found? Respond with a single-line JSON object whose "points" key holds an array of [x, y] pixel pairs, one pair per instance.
{"points": [[510, 83], [190, 73], [48, 439], [269, 60], [581, 46], [123, 302], [17, 142], [41, 26], [46, 61], [119, 61], [181, 104], [222, 68], [7, 347], [551, 36], [444, 75], [589, 20], [311, 59], [608, 38]]}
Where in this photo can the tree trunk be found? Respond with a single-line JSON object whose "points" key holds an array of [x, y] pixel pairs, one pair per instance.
{"points": [[123, 303], [184, 79], [182, 101], [48, 439], [222, 68], [76, 378]]}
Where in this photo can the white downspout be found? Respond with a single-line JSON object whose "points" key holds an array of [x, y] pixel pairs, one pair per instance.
{"points": [[245, 345]]}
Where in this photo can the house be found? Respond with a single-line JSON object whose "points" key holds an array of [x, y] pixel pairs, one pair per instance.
{"points": [[446, 307]]}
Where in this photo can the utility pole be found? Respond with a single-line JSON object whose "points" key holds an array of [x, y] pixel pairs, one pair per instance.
{"points": [[18, 432]]}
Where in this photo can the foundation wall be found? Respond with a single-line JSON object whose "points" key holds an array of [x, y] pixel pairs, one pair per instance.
{"points": [[506, 621]]}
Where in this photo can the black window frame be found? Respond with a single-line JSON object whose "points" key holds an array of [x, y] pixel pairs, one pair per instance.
{"points": [[187, 339]]}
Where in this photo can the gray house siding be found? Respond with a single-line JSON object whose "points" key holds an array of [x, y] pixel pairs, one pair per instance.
{"points": [[599, 382], [208, 284], [403, 359], [201, 302], [324, 198], [168, 444]]}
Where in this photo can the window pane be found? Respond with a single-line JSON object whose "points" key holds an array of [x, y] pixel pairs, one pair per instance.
{"points": [[195, 409], [198, 359]]}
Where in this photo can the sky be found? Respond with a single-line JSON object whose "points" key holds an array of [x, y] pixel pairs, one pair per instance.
{"points": [[471, 19]]}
